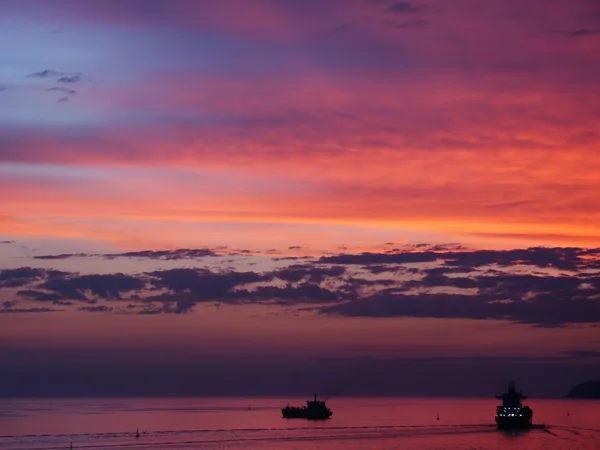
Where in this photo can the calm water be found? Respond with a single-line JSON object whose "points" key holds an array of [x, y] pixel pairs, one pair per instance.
{"points": [[233, 423]]}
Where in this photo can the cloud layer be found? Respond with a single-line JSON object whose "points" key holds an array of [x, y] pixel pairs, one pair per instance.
{"points": [[541, 286]]}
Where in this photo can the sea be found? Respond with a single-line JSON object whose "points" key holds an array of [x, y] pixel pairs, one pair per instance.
{"points": [[256, 423]]}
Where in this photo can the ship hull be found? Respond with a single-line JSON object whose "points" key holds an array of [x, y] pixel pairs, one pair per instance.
{"points": [[512, 414], [290, 413], [507, 423], [516, 417], [314, 410]]}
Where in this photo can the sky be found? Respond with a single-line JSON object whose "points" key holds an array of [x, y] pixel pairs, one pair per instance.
{"points": [[259, 198]]}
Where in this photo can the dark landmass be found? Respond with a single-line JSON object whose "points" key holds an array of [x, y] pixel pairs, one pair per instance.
{"points": [[589, 389]]}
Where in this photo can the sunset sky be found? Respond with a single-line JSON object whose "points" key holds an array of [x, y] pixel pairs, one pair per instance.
{"points": [[262, 196]]}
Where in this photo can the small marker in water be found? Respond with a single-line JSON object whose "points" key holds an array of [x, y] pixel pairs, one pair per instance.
{"points": [[438, 417], [137, 433]]}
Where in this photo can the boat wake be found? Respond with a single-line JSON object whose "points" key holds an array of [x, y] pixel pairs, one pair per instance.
{"points": [[205, 438], [258, 437]]}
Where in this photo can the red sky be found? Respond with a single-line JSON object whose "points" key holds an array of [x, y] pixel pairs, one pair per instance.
{"points": [[269, 129]]}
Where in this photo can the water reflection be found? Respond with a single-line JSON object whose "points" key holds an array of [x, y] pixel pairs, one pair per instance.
{"points": [[514, 433], [230, 423]]}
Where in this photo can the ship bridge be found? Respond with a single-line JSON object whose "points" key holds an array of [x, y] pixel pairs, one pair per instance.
{"points": [[512, 398]]}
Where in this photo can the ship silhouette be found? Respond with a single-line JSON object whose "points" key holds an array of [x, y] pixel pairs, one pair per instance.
{"points": [[512, 413], [314, 410]]}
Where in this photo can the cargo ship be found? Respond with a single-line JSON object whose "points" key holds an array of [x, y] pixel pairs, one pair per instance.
{"points": [[314, 410], [512, 414]]}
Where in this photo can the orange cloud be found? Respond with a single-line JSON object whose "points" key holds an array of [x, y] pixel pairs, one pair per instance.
{"points": [[447, 136]]}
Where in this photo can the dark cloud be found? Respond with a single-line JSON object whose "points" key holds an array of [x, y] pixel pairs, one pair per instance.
{"points": [[99, 308], [563, 304], [517, 286], [64, 288], [182, 306], [431, 280], [204, 284], [151, 310], [450, 254], [191, 286], [64, 90], [61, 77], [63, 303], [444, 270], [40, 296], [182, 253], [172, 303], [27, 310], [445, 247], [62, 256], [45, 74], [352, 287], [74, 287], [7, 242], [559, 258], [64, 99], [311, 273], [70, 79], [459, 285], [166, 255], [590, 251], [292, 258], [368, 258], [363, 282], [404, 7], [376, 269], [295, 247], [423, 305], [520, 298], [19, 277], [303, 293]]}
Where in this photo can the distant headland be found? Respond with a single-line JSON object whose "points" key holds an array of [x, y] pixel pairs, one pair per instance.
{"points": [[589, 389]]}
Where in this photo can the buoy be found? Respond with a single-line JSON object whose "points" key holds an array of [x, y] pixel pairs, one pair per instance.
{"points": [[137, 433], [438, 417]]}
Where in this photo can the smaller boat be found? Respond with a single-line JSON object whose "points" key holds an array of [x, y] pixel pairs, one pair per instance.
{"points": [[314, 410], [512, 413]]}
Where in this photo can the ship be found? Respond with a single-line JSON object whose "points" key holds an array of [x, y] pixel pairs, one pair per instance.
{"points": [[314, 410], [512, 414]]}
